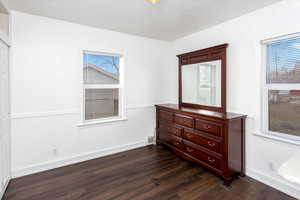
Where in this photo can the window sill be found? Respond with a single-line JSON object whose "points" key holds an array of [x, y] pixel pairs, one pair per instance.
{"points": [[104, 121], [277, 138]]}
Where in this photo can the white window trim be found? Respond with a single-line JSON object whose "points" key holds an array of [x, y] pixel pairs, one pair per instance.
{"points": [[122, 111], [264, 93]]}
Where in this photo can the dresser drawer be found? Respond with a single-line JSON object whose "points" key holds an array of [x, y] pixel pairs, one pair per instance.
{"points": [[170, 139], [209, 127], [170, 128], [164, 124], [200, 155], [177, 144], [163, 134], [192, 136], [165, 116], [175, 130], [175, 141], [184, 120]]}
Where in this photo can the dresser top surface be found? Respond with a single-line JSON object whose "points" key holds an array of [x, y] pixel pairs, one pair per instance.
{"points": [[201, 112]]}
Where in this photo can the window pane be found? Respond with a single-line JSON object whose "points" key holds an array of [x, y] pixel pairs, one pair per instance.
{"points": [[284, 111], [283, 61], [101, 103], [101, 69]]}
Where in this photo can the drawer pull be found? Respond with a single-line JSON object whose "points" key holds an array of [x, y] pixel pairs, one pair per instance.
{"points": [[190, 136], [189, 149], [211, 160], [176, 143], [211, 144], [206, 126]]}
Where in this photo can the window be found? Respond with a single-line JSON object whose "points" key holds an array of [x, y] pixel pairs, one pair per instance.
{"points": [[103, 86], [281, 87]]}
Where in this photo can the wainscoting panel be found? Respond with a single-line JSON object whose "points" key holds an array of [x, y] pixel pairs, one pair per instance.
{"points": [[53, 139]]}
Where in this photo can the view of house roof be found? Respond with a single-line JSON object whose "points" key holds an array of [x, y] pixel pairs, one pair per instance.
{"points": [[114, 76]]}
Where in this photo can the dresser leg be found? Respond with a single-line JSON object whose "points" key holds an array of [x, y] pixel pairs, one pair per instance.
{"points": [[242, 174], [227, 182], [157, 142]]}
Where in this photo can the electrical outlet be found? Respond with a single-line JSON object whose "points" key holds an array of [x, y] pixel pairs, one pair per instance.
{"points": [[150, 139], [271, 166], [54, 151]]}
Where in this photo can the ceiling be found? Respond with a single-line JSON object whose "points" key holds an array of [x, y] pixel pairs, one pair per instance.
{"points": [[167, 20]]}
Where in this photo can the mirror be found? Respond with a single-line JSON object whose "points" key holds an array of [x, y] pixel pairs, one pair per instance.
{"points": [[201, 83], [202, 79]]}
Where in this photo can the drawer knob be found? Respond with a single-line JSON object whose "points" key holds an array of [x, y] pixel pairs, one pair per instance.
{"points": [[176, 143], [190, 136], [189, 149], [211, 160], [211, 144], [206, 126], [177, 131]]}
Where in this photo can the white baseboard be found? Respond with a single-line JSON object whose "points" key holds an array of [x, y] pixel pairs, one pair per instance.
{"points": [[75, 159], [4, 188], [275, 182]]}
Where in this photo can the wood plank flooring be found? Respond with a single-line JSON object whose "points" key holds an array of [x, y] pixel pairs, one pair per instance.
{"points": [[145, 173]]}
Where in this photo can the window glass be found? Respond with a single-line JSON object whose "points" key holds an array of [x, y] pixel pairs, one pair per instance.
{"points": [[101, 69], [101, 103], [283, 61], [284, 111]]}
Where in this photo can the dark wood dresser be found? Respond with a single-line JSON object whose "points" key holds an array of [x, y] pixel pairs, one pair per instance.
{"points": [[213, 140]]}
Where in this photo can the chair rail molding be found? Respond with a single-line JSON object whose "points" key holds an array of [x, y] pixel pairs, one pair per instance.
{"points": [[75, 111]]}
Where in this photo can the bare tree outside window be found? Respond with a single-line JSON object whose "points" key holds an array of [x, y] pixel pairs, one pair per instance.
{"points": [[102, 85], [283, 61], [282, 86], [284, 111]]}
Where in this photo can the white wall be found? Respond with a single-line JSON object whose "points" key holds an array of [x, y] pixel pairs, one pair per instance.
{"points": [[243, 34], [4, 118], [46, 84]]}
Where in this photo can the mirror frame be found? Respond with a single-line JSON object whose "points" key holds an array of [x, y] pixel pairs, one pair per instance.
{"points": [[205, 55]]}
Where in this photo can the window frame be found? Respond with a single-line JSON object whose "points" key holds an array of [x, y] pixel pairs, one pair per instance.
{"points": [[265, 87], [120, 86]]}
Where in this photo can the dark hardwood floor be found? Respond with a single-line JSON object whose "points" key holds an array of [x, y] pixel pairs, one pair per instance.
{"points": [[145, 173]]}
